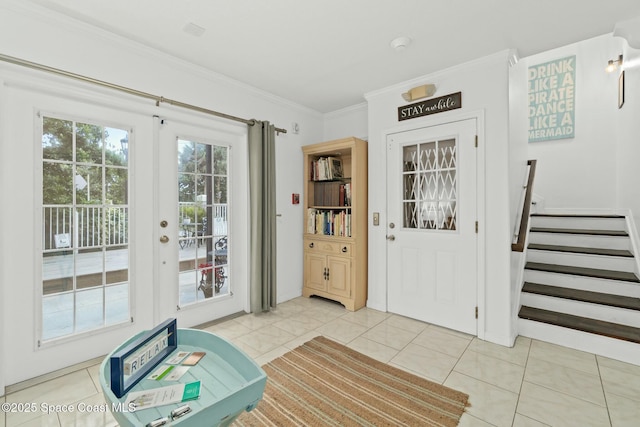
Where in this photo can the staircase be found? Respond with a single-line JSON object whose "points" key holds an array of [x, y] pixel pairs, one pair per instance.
{"points": [[581, 286]]}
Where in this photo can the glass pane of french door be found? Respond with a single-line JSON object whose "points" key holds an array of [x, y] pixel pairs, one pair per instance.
{"points": [[85, 227], [203, 239]]}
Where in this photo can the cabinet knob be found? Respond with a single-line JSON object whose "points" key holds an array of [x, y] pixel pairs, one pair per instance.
{"points": [[344, 249], [311, 245]]}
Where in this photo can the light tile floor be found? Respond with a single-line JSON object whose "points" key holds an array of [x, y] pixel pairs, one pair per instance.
{"points": [[532, 384]]}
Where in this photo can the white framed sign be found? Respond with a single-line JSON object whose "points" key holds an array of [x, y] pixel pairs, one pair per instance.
{"points": [[552, 99]]}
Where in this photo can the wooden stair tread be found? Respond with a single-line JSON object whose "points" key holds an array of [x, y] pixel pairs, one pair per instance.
{"points": [[620, 301], [583, 271], [578, 231], [599, 327], [582, 250]]}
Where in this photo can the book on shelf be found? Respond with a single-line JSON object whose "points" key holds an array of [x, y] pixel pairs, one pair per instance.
{"points": [[326, 169], [311, 221], [318, 194], [347, 194], [328, 193], [332, 193], [328, 222], [335, 167]]}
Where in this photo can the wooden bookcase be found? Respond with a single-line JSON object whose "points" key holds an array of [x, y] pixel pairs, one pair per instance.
{"points": [[335, 221]]}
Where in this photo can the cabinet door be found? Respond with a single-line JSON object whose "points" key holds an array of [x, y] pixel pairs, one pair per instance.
{"points": [[339, 276], [314, 271]]}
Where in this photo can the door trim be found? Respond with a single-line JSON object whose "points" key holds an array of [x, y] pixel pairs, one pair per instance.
{"points": [[452, 117]]}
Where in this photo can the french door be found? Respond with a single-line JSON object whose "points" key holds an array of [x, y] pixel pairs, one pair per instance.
{"points": [[90, 181], [201, 222], [431, 235]]}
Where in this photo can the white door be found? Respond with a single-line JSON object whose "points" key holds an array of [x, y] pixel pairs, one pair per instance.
{"points": [[201, 222], [431, 233]]}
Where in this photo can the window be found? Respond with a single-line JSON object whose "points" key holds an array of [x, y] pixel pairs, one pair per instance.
{"points": [[430, 185], [85, 227], [203, 207]]}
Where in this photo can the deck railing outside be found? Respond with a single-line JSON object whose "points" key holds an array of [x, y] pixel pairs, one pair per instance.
{"points": [[219, 216], [84, 225], [64, 226]]}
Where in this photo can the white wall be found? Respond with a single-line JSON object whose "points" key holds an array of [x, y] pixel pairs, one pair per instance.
{"points": [[628, 126], [580, 173], [518, 156], [350, 121], [43, 37], [484, 87]]}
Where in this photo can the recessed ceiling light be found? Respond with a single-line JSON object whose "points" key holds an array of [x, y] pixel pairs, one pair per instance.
{"points": [[193, 29], [400, 43]]}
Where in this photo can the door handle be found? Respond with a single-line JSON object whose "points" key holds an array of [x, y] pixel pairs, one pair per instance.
{"points": [[391, 237], [164, 239]]}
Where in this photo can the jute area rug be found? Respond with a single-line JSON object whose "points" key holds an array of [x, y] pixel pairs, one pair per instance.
{"points": [[323, 383]]}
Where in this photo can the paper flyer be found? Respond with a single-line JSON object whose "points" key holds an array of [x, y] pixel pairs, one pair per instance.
{"points": [[176, 373], [160, 373], [178, 358], [168, 373], [163, 395]]}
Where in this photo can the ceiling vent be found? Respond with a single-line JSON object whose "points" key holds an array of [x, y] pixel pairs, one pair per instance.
{"points": [[193, 29]]}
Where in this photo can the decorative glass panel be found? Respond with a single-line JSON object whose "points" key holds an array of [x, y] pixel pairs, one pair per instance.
{"points": [[430, 185]]}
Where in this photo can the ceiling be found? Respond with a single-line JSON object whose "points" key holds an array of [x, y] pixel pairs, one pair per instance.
{"points": [[326, 54]]}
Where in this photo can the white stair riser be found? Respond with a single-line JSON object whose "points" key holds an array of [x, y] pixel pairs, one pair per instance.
{"points": [[582, 260], [624, 351], [583, 309], [585, 241], [579, 223], [615, 287]]}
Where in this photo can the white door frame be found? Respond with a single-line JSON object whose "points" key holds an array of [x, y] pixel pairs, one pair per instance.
{"points": [[446, 118]]}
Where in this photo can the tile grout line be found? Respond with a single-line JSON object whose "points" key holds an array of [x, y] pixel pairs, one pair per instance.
{"points": [[606, 402], [524, 373]]}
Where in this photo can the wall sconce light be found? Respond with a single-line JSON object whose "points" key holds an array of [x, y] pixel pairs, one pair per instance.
{"points": [[614, 64], [419, 92]]}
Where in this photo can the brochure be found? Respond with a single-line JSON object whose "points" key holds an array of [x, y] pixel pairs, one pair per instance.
{"points": [[163, 395], [178, 357], [168, 373]]}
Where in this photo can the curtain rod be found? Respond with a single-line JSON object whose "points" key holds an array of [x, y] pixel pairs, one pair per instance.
{"points": [[157, 99]]}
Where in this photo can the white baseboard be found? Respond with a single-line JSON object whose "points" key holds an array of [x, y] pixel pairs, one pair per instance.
{"points": [[612, 348], [506, 341]]}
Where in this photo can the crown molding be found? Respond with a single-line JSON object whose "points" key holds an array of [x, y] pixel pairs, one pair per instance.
{"points": [[363, 106]]}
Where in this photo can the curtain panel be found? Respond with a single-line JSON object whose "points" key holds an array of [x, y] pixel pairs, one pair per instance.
{"points": [[262, 200]]}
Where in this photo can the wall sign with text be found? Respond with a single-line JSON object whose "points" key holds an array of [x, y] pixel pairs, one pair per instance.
{"points": [[552, 99], [430, 106]]}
